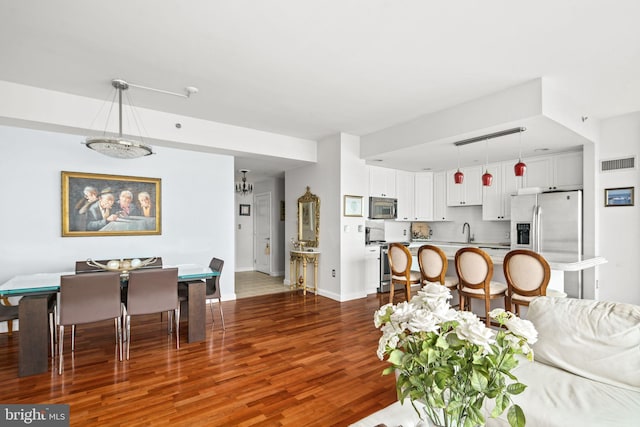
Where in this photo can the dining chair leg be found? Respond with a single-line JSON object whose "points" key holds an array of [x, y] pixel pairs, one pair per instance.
{"points": [[60, 348], [177, 317], [391, 289], [221, 314], [127, 325], [487, 309], [73, 338], [52, 334]]}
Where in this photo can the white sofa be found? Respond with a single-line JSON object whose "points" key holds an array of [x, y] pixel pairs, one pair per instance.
{"points": [[586, 370]]}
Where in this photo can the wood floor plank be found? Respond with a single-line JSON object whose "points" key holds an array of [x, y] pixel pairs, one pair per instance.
{"points": [[284, 360]]}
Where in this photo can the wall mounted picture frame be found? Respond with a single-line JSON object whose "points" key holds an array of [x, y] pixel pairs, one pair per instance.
{"points": [[622, 196], [352, 205], [245, 210], [110, 205]]}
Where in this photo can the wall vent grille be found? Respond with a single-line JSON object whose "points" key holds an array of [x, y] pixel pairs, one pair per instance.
{"points": [[617, 164]]}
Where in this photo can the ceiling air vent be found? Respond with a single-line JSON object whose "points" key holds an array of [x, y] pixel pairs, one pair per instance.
{"points": [[617, 164]]}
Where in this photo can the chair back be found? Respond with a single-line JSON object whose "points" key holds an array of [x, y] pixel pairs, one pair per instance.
{"points": [[399, 260], [213, 283], [474, 268], [152, 290], [527, 273], [89, 297], [433, 264]]}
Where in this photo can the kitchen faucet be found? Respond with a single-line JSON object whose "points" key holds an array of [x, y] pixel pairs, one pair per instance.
{"points": [[468, 227]]}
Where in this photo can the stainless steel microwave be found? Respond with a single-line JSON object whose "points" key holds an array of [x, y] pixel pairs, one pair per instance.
{"points": [[383, 208]]}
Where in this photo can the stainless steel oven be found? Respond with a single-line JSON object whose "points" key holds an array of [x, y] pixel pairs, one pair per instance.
{"points": [[385, 271]]}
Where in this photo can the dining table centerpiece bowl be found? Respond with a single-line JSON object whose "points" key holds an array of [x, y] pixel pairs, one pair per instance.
{"points": [[450, 361], [122, 265]]}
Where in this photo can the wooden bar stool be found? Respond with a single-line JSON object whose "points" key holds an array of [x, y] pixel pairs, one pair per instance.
{"points": [[400, 266]]}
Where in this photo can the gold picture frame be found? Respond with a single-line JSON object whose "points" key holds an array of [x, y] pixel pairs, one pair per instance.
{"points": [[618, 196], [352, 205], [110, 205]]}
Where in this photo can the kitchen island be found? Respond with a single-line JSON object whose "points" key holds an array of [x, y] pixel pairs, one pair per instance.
{"points": [[497, 252]]}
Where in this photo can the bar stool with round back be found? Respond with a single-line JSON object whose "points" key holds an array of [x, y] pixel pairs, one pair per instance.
{"points": [[527, 275], [400, 266], [475, 270]]}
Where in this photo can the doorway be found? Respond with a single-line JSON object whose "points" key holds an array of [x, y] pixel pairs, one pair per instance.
{"points": [[262, 230]]}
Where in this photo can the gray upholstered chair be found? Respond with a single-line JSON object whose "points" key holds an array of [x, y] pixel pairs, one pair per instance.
{"points": [[527, 275], [433, 267], [152, 291], [212, 288], [475, 271], [400, 266], [87, 298]]}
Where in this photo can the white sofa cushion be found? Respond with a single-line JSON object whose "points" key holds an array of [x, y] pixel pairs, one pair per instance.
{"points": [[595, 339]]}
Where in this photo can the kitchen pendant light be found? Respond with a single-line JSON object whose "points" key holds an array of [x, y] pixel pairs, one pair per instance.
{"points": [[458, 177], [487, 178], [520, 168]]}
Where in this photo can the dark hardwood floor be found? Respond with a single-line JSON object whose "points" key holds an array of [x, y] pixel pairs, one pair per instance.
{"points": [[284, 360]]}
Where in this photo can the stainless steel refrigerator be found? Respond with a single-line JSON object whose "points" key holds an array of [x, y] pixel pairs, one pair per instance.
{"points": [[550, 224]]}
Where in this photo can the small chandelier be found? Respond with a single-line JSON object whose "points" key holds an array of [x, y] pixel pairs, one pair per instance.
{"points": [[118, 147], [242, 187]]}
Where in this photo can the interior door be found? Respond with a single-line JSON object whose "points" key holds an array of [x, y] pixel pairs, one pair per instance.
{"points": [[262, 236]]}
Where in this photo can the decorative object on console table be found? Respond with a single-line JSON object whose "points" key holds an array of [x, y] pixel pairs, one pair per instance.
{"points": [[449, 361], [109, 205], [352, 205], [245, 210], [618, 196]]}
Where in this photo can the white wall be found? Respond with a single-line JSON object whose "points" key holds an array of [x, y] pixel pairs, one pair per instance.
{"points": [[197, 206], [620, 226]]}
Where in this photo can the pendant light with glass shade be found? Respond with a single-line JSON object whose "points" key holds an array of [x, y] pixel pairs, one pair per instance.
{"points": [[520, 168], [487, 178], [458, 177]]}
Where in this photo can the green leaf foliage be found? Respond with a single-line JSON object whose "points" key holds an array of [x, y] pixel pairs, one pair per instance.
{"points": [[516, 417]]}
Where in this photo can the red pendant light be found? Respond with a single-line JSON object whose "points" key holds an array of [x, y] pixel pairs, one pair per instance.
{"points": [[487, 178], [520, 168], [458, 177]]}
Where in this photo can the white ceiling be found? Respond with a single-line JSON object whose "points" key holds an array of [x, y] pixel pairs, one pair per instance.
{"points": [[312, 68]]}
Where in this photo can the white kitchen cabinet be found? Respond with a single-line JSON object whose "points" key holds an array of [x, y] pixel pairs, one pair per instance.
{"points": [[468, 193], [440, 207], [372, 268], [382, 182], [558, 172], [424, 196], [496, 199], [405, 193]]}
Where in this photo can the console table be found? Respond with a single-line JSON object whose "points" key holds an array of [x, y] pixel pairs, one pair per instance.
{"points": [[301, 258]]}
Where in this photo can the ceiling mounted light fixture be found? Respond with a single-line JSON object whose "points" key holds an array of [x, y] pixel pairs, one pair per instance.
{"points": [[242, 187], [489, 136], [119, 146], [487, 178], [520, 168], [458, 177]]}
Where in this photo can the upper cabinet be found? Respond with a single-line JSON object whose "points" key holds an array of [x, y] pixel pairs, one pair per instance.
{"points": [[468, 193], [440, 208], [405, 193], [496, 198], [558, 172], [424, 196], [382, 182]]}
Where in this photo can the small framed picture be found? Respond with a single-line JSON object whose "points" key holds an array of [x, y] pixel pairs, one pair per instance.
{"points": [[352, 205], [618, 196], [245, 210]]}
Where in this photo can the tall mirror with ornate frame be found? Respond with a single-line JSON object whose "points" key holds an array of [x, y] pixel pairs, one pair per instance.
{"points": [[309, 219]]}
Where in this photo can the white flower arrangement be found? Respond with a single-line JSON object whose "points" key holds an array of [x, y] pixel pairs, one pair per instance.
{"points": [[450, 361]]}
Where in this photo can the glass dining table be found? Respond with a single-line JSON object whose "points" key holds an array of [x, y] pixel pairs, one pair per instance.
{"points": [[35, 290]]}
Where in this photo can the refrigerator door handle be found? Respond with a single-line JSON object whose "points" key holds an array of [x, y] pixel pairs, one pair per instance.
{"points": [[537, 225]]}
